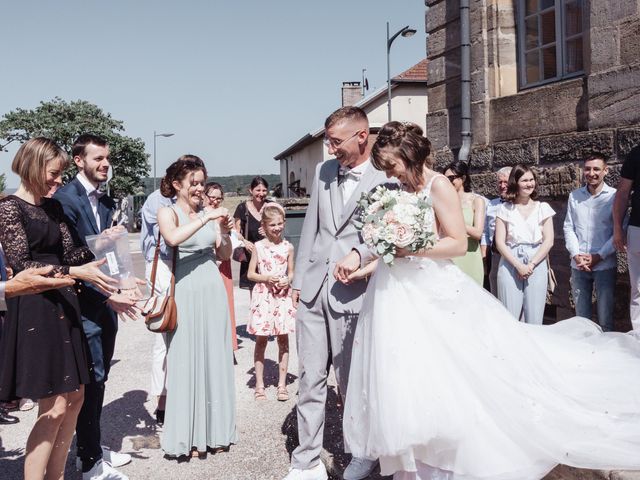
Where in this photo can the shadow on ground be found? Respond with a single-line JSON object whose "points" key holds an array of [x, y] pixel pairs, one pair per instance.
{"points": [[333, 445]]}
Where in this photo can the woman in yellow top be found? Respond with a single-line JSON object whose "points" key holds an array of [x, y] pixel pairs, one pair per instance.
{"points": [[474, 212]]}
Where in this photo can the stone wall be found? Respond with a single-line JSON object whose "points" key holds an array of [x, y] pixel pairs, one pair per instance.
{"points": [[551, 127]]}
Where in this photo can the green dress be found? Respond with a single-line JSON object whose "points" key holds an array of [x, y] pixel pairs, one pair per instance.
{"points": [[471, 263], [200, 409]]}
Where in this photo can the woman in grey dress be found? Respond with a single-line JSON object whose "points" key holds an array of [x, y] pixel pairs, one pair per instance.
{"points": [[200, 409]]}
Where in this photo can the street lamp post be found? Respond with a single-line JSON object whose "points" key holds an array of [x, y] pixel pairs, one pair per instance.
{"points": [[405, 32], [156, 135]]}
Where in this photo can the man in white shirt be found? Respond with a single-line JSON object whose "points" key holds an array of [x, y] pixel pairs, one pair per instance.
{"points": [[90, 212], [491, 255], [588, 234]]}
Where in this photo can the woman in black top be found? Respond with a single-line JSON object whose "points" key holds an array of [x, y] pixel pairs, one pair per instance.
{"points": [[43, 351], [247, 224]]}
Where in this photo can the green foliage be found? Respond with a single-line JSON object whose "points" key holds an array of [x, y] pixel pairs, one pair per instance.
{"points": [[240, 183], [64, 121], [3, 182]]}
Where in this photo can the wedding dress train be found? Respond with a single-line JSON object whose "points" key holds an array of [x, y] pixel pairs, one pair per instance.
{"points": [[445, 379]]}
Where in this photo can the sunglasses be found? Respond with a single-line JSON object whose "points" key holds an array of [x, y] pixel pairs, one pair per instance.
{"points": [[451, 178]]}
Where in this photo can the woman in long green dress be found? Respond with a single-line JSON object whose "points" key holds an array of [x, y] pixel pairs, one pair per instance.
{"points": [[200, 409], [474, 212]]}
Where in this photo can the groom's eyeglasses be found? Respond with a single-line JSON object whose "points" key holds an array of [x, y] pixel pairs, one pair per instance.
{"points": [[330, 142]]}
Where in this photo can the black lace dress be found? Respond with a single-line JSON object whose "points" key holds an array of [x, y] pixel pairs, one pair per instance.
{"points": [[43, 351]]}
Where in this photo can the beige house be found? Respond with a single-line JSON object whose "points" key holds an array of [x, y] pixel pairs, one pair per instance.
{"points": [[408, 103]]}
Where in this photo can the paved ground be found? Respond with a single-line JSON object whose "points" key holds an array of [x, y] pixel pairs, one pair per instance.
{"points": [[267, 430]]}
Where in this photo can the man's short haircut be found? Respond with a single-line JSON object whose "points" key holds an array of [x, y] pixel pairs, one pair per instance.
{"points": [[346, 113], [596, 156], [504, 172], [78, 148]]}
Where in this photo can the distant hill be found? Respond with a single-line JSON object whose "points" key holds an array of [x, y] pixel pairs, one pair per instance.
{"points": [[231, 184], [240, 183]]}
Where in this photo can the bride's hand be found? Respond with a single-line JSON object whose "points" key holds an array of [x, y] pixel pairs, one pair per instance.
{"points": [[346, 266]]}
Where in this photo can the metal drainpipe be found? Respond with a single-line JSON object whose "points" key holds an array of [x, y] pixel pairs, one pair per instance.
{"points": [[465, 81]]}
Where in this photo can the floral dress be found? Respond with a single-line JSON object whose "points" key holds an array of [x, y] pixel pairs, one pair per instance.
{"points": [[271, 312]]}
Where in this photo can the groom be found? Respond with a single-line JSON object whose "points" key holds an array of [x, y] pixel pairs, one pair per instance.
{"points": [[328, 309]]}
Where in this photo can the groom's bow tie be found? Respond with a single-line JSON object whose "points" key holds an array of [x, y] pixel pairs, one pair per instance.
{"points": [[345, 172]]}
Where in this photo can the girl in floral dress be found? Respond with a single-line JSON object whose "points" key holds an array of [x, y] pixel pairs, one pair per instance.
{"points": [[271, 310]]}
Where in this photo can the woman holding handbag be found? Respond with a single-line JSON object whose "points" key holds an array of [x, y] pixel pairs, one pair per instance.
{"points": [[200, 409], [247, 223]]}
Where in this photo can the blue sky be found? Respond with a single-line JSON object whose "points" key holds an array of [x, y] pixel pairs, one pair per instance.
{"points": [[236, 81]]}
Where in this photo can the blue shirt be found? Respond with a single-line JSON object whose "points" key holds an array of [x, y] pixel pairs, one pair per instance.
{"points": [[489, 231], [588, 226], [149, 229]]}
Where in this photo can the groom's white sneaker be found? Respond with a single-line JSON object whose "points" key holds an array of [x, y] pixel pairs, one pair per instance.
{"points": [[315, 473], [359, 468]]}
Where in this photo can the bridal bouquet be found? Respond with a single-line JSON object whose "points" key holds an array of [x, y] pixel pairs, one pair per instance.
{"points": [[393, 219]]}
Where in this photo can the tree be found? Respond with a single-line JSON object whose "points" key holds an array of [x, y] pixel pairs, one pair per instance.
{"points": [[3, 182], [64, 121]]}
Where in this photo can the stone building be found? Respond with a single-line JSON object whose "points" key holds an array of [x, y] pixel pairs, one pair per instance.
{"points": [[551, 80]]}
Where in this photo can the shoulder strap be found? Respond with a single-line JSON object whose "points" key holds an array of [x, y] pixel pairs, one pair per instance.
{"points": [[154, 268]]}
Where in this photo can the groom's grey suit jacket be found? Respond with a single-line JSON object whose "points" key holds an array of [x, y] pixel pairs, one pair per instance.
{"points": [[328, 234]]}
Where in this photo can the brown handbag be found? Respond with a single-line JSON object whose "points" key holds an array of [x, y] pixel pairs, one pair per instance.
{"points": [[160, 311]]}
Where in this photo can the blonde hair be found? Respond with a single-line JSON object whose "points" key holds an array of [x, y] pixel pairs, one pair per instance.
{"points": [[30, 163], [269, 210]]}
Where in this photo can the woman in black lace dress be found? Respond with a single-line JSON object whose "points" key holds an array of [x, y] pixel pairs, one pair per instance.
{"points": [[43, 351]]}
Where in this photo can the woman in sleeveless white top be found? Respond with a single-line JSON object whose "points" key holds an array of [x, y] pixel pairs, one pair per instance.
{"points": [[446, 384], [524, 236]]}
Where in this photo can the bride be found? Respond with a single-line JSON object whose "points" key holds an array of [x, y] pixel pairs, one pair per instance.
{"points": [[446, 385]]}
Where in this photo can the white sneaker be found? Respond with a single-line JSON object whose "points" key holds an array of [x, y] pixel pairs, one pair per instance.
{"points": [[116, 459], [316, 473], [103, 471]]}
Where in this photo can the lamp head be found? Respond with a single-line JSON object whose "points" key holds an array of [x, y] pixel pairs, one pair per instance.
{"points": [[408, 32]]}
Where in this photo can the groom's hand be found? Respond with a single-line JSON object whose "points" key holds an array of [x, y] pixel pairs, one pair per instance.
{"points": [[345, 267]]}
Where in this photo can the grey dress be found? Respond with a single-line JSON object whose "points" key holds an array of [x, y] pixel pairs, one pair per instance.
{"points": [[200, 410]]}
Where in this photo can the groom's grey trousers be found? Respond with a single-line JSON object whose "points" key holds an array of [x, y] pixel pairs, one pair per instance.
{"points": [[323, 337]]}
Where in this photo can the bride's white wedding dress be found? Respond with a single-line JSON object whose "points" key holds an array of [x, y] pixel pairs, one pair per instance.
{"points": [[444, 381]]}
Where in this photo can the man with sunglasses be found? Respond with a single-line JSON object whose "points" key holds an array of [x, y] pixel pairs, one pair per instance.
{"points": [[327, 308]]}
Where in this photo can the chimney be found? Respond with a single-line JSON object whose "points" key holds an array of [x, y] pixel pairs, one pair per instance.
{"points": [[351, 93]]}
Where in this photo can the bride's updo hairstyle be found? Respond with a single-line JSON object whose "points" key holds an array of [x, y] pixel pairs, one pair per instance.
{"points": [[177, 172], [402, 140]]}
